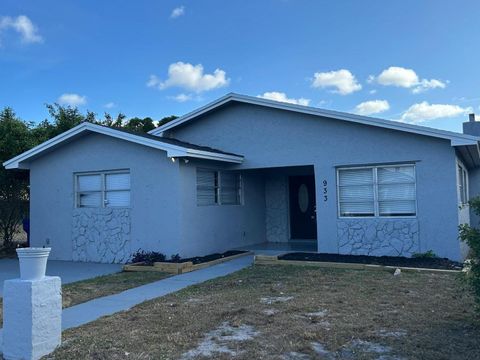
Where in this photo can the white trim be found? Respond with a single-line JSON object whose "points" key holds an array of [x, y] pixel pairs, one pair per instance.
{"points": [[456, 139], [172, 150]]}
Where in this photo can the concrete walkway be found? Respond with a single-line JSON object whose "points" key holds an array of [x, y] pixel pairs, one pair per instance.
{"points": [[92, 310], [69, 271]]}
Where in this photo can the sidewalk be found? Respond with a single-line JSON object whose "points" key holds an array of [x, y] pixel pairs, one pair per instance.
{"points": [[92, 310]]}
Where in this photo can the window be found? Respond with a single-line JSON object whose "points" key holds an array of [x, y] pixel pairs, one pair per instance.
{"points": [[377, 191], [218, 188], [462, 185], [106, 189]]}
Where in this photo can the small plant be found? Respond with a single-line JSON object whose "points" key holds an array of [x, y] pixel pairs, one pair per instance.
{"points": [[471, 236], [147, 257], [175, 258], [426, 255]]}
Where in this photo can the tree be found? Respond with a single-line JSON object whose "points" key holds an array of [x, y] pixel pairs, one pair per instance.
{"points": [[471, 236], [15, 138], [167, 119], [139, 125]]}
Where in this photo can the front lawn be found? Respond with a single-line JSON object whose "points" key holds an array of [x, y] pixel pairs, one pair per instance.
{"points": [[85, 290], [292, 312]]}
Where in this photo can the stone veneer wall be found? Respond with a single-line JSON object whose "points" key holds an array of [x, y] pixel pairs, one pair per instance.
{"points": [[101, 235], [395, 237], [276, 209]]}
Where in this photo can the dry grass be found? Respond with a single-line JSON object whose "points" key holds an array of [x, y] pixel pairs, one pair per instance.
{"points": [[291, 312], [82, 291]]}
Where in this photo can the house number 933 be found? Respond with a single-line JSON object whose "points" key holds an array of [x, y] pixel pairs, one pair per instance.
{"points": [[325, 190]]}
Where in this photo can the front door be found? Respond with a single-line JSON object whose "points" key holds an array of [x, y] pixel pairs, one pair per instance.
{"points": [[303, 222]]}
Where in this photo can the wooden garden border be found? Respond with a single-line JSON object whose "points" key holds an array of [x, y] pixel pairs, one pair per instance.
{"points": [[273, 260], [180, 268]]}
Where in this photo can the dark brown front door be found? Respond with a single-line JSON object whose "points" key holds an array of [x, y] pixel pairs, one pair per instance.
{"points": [[303, 222]]}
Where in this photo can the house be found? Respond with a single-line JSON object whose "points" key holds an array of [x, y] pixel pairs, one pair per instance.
{"points": [[244, 170]]}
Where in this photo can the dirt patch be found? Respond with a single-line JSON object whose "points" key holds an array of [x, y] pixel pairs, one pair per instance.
{"points": [[275, 299], [434, 311], [430, 263], [222, 340]]}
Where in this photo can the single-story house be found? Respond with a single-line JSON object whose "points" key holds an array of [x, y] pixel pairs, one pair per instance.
{"points": [[244, 170]]}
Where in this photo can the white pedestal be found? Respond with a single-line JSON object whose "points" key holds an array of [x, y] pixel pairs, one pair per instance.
{"points": [[32, 317]]}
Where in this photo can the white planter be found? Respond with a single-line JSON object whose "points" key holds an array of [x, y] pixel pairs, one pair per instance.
{"points": [[33, 262]]}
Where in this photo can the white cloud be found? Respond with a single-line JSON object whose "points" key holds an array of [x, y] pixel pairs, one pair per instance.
{"points": [[23, 26], [282, 97], [425, 85], [72, 99], [177, 12], [424, 111], [342, 81], [190, 77], [181, 97], [110, 105], [372, 107], [406, 78]]}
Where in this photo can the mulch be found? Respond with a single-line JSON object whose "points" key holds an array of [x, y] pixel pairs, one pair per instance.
{"points": [[415, 262]]}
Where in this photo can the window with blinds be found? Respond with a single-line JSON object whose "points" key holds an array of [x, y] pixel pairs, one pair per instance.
{"points": [[104, 189], [462, 185], [218, 188], [383, 191]]}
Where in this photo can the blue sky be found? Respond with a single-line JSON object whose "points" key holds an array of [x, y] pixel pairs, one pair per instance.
{"points": [[414, 61]]}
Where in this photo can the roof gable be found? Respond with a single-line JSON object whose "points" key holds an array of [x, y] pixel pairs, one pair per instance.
{"points": [[456, 139], [173, 147]]}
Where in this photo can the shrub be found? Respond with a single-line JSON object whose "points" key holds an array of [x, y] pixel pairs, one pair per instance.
{"points": [[471, 236], [175, 258], [426, 255], [147, 257]]}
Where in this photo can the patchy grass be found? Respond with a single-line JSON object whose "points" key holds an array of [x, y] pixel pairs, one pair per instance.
{"points": [[85, 290], [292, 312]]}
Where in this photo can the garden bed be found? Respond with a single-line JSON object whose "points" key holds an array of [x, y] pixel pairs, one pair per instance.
{"points": [[362, 261], [179, 265]]}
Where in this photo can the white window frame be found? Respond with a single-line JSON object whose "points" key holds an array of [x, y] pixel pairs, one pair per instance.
{"points": [[462, 185], [219, 189], [103, 190], [376, 215]]}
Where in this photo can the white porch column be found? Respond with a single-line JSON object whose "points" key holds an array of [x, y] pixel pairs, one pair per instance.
{"points": [[32, 317]]}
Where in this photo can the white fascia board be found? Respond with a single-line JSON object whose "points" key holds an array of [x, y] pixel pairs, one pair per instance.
{"points": [[455, 138], [172, 150]]}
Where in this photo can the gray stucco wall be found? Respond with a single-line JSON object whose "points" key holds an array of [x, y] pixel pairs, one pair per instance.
{"points": [[207, 229], [151, 223], [270, 138]]}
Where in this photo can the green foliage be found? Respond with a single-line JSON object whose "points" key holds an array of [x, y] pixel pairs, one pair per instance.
{"points": [[147, 257], [167, 119], [426, 255], [15, 138], [471, 236]]}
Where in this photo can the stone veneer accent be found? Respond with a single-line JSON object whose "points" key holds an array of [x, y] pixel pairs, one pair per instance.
{"points": [[395, 237], [276, 209], [101, 235]]}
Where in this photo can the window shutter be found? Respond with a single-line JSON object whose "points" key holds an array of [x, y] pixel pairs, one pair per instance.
{"points": [[356, 192], [117, 181], [92, 199], [207, 183], [90, 183], [117, 190], [396, 191], [89, 192], [229, 188]]}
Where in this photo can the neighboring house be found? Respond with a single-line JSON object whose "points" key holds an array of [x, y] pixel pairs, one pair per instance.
{"points": [[260, 171]]}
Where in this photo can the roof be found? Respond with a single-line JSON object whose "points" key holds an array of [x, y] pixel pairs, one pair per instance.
{"points": [[456, 139], [173, 147]]}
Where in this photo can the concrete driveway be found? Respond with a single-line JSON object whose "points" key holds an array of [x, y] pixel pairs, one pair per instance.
{"points": [[69, 271]]}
